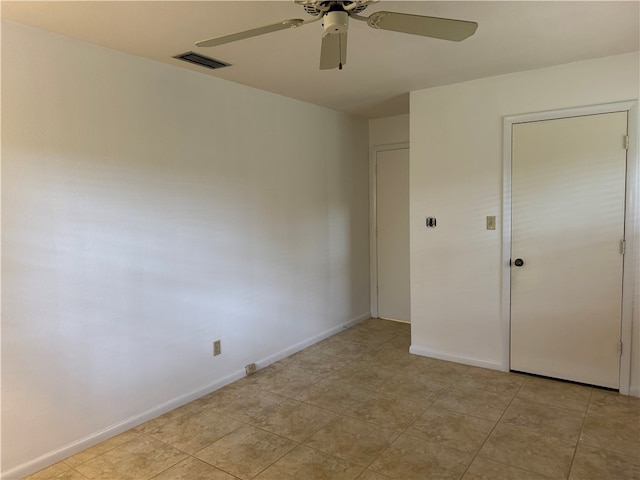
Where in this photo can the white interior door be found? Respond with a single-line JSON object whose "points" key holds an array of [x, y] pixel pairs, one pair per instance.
{"points": [[568, 200], [392, 220]]}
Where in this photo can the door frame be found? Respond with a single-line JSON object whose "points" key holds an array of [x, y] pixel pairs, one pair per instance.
{"points": [[631, 226], [373, 218]]}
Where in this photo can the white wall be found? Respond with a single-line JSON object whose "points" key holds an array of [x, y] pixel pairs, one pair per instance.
{"points": [[389, 130], [147, 211], [456, 176]]}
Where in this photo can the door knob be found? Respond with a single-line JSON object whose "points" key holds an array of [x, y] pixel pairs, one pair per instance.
{"points": [[518, 262]]}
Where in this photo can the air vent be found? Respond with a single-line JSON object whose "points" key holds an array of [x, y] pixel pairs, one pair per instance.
{"points": [[201, 60]]}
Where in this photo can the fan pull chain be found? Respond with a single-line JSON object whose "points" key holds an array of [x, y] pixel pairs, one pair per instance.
{"points": [[340, 50]]}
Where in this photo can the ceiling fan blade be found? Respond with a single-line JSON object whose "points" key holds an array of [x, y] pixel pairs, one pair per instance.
{"points": [[333, 53], [436, 27], [212, 42]]}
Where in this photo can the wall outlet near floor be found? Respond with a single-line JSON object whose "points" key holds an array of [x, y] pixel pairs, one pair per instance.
{"points": [[217, 348], [250, 369], [491, 222]]}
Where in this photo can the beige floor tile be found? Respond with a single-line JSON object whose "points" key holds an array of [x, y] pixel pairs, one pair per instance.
{"points": [[387, 357], [613, 434], [229, 393], [288, 382], [409, 363], [371, 475], [547, 420], [555, 393], [50, 472], [485, 469], [191, 408], [380, 325], [594, 464], [243, 404], [103, 447], [473, 401], [440, 368], [417, 388], [457, 370], [291, 419], [529, 450], [191, 433], [139, 459], [462, 432], [387, 411], [410, 458], [59, 471], [434, 370], [389, 350], [431, 372], [352, 440], [232, 394], [246, 452], [305, 463], [313, 363], [402, 339], [193, 469], [367, 337], [613, 404], [341, 349], [333, 395], [362, 374], [491, 381]]}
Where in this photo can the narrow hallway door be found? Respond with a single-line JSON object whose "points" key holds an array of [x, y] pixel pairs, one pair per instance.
{"points": [[392, 210]]}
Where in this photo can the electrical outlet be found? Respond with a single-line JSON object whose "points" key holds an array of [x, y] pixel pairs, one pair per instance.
{"points": [[491, 222], [250, 369], [217, 348]]}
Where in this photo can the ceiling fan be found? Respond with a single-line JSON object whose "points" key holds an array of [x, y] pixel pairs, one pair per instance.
{"points": [[336, 14]]}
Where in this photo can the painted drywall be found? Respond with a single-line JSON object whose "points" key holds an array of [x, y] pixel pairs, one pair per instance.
{"points": [[456, 176], [389, 130], [147, 211]]}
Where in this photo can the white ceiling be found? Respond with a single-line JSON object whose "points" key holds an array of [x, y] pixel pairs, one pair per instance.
{"points": [[381, 66]]}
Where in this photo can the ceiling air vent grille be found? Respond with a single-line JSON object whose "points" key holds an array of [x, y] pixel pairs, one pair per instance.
{"points": [[201, 60]]}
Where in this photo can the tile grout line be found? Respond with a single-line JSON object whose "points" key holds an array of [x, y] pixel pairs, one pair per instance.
{"points": [[491, 432], [584, 419]]}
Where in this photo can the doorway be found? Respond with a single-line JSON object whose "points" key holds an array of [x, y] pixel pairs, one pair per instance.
{"points": [[390, 292], [569, 205]]}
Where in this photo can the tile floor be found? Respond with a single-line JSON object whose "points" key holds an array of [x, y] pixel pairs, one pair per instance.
{"points": [[359, 406]]}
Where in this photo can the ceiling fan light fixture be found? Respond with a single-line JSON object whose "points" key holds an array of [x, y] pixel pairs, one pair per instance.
{"points": [[336, 22]]}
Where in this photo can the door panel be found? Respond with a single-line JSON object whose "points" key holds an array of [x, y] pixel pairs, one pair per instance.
{"points": [[568, 197], [392, 210]]}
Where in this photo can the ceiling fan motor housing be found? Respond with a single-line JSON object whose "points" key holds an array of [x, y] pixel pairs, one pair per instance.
{"points": [[319, 7], [336, 22]]}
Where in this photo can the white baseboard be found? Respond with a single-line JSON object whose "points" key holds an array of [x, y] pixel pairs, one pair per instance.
{"points": [[428, 352], [66, 451], [634, 391]]}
